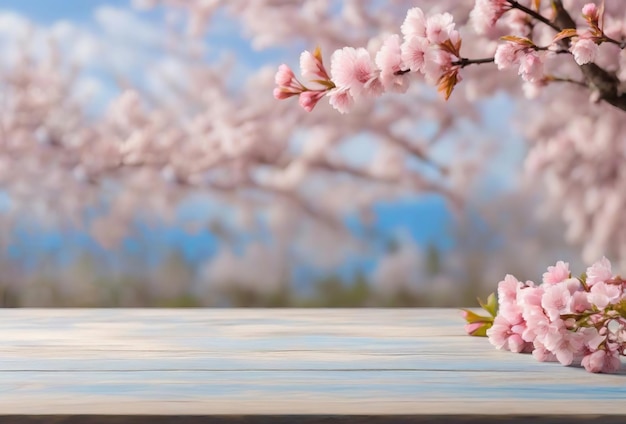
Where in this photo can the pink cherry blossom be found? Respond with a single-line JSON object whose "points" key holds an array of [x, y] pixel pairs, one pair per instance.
{"points": [[486, 13], [592, 338], [508, 288], [557, 273], [601, 361], [590, 11], [284, 76], [281, 94], [507, 55], [600, 271], [531, 66], [579, 302], [563, 319], [439, 27], [573, 285], [309, 99], [556, 300], [414, 24], [584, 50], [390, 61], [537, 324], [287, 83], [603, 294], [504, 336], [354, 70], [542, 354], [565, 344], [341, 99], [311, 67], [516, 344], [436, 63], [530, 296], [413, 52]]}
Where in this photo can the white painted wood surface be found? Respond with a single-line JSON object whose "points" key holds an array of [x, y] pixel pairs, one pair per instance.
{"points": [[243, 361]]}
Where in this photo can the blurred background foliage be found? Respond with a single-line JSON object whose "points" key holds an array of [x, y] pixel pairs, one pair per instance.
{"points": [[66, 241]]}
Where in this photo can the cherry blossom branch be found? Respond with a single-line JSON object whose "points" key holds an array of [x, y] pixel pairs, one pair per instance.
{"points": [[567, 80], [515, 5], [463, 62], [604, 84], [620, 44]]}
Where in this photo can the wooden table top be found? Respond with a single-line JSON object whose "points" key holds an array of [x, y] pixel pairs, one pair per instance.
{"points": [[278, 363]]}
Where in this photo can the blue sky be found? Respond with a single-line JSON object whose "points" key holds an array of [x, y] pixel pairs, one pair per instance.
{"points": [[426, 220], [48, 11]]}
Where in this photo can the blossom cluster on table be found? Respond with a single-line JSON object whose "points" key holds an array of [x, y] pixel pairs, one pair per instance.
{"points": [[572, 320]]}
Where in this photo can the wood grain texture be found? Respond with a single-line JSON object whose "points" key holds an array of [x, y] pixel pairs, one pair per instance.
{"points": [[370, 362]]}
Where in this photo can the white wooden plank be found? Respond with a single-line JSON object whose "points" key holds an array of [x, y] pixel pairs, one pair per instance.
{"points": [[409, 361]]}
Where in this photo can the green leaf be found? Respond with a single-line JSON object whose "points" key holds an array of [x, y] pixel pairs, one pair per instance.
{"points": [[491, 305], [471, 317]]}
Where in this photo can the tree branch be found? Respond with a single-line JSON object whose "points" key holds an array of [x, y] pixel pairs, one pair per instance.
{"points": [[604, 82], [536, 15], [463, 62]]}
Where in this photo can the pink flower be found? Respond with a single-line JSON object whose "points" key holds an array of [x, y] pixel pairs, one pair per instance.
{"points": [[413, 52], [573, 285], [455, 36], [512, 312], [308, 99], [592, 338], [584, 50], [389, 61], [507, 289], [579, 302], [284, 76], [507, 55], [530, 296], [499, 333], [486, 13], [341, 99], [557, 273], [353, 69], [565, 344], [414, 24], [439, 27], [556, 300], [436, 63], [603, 294], [542, 354], [562, 320], [531, 66], [281, 94], [537, 323], [591, 12], [311, 66], [504, 336], [287, 83], [602, 361], [599, 271], [516, 343]]}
